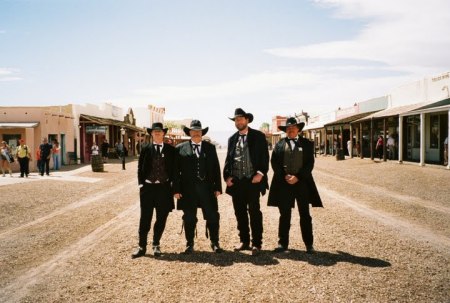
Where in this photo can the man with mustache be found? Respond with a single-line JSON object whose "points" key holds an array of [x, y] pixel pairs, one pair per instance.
{"points": [[197, 184]]}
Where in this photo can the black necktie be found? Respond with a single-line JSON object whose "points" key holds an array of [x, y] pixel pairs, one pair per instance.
{"points": [[242, 139], [197, 149], [158, 149]]}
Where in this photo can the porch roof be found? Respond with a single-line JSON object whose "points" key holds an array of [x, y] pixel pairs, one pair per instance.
{"points": [[106, 121], [18, 124], [389, 112], [349, 119]]}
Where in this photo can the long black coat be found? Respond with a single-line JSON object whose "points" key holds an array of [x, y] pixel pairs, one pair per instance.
{"points": [[186, 173], [145, 166], [259, 156], [280, 191]]}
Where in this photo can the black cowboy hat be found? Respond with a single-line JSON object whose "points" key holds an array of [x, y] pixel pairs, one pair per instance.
{"points": [[290, 122], [195, 125], [239, 112], [157, 126]]}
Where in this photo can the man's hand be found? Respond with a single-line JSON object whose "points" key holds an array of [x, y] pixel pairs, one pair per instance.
{"points": [[229, 182], [177, 196], [291, 179], [217, 193], [257, 178]]}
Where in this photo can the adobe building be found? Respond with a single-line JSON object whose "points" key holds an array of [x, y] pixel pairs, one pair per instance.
{"points": [[35, 123]]}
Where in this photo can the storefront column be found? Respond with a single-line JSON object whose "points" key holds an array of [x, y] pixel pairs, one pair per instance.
{"points": [[332, 140], [350, 152], [371, 140], [448, 136], [422, 139], [400, 139], [360, 139], [326, 142]]}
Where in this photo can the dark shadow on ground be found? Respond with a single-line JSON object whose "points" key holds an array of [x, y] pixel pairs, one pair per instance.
{"points": [[227, 258], [323, 258]]}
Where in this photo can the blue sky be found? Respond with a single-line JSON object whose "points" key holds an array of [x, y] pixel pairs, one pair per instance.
{"points": [[202, 59]]}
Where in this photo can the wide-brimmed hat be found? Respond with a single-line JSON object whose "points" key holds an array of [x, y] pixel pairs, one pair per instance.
{"points": [[195, 125], [239, 112], [156, 126], [290, 122]]}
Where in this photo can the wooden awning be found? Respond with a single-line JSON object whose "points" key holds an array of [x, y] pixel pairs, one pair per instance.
{"points": [[106, 121]]}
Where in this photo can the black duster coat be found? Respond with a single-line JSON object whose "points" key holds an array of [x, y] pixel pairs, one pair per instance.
{"points": [[280, 191], [145, 166], [259, 156], [186, 173]]}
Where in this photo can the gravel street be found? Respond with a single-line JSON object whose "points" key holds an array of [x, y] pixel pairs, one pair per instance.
{"points": [[383, 236]]}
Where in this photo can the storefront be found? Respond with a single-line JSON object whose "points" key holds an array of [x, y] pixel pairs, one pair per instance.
{"points": [[424, 131], [95, 129]]}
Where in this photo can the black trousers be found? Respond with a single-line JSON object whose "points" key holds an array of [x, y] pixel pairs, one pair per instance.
{"points": [[45, 165], [202, 199], [24, 166], [154, 197], [305, 221], [246, 203]]}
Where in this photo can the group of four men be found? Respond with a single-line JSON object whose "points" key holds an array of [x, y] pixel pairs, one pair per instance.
{"points": [[190, 173]]}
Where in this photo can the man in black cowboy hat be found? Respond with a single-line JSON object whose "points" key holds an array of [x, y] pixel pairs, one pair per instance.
{"points": [[155, 177], [245, 174], [292, 162], [197, 184]]}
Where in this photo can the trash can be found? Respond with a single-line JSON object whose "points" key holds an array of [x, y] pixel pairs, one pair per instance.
{"points": [[97, 163], [340, 154]]}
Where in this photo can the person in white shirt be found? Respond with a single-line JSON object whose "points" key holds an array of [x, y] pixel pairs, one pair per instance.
{"points": [[446, 151], [390, 144]]}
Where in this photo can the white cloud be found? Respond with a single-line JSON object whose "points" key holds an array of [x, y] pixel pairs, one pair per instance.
{"points": [[264, 81], [9, 74], [2, 31], [404, 33], [399, 43]]}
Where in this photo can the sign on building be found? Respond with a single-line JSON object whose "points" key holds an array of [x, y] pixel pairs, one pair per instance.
{"points": [[96, 129]]}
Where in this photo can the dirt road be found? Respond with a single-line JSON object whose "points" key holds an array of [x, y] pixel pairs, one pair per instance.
{"points": [[383, 236]]}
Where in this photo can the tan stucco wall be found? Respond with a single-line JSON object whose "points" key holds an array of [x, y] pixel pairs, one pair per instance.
{"points": [[53, 120]]}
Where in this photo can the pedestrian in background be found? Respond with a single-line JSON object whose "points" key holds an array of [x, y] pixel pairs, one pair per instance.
{"points": [[446, 151], [197, 184], [94, 149], [155, 176], [379, 147], [38, 160], [46, 152], [245, 174], [390, 145], [292, 163], [104, 148], [55, 154], [24, 157], [6, 158]]}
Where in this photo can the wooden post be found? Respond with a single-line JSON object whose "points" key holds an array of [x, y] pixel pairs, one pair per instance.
{"points": [[384, 139]]}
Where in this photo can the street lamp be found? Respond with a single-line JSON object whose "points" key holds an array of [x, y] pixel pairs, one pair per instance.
{"points": [[122, 131]]}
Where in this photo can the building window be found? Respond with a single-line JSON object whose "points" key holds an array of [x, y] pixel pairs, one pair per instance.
{"points": [[434, 131]]}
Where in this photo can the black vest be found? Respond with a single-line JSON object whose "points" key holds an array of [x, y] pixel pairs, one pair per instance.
{"points": [[200, 166], [158, 171], [293, 159]]}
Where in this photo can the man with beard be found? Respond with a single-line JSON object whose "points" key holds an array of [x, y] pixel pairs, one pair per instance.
{"points": [[292, 163], [245, 174], [197, 184], [155, 176]]}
